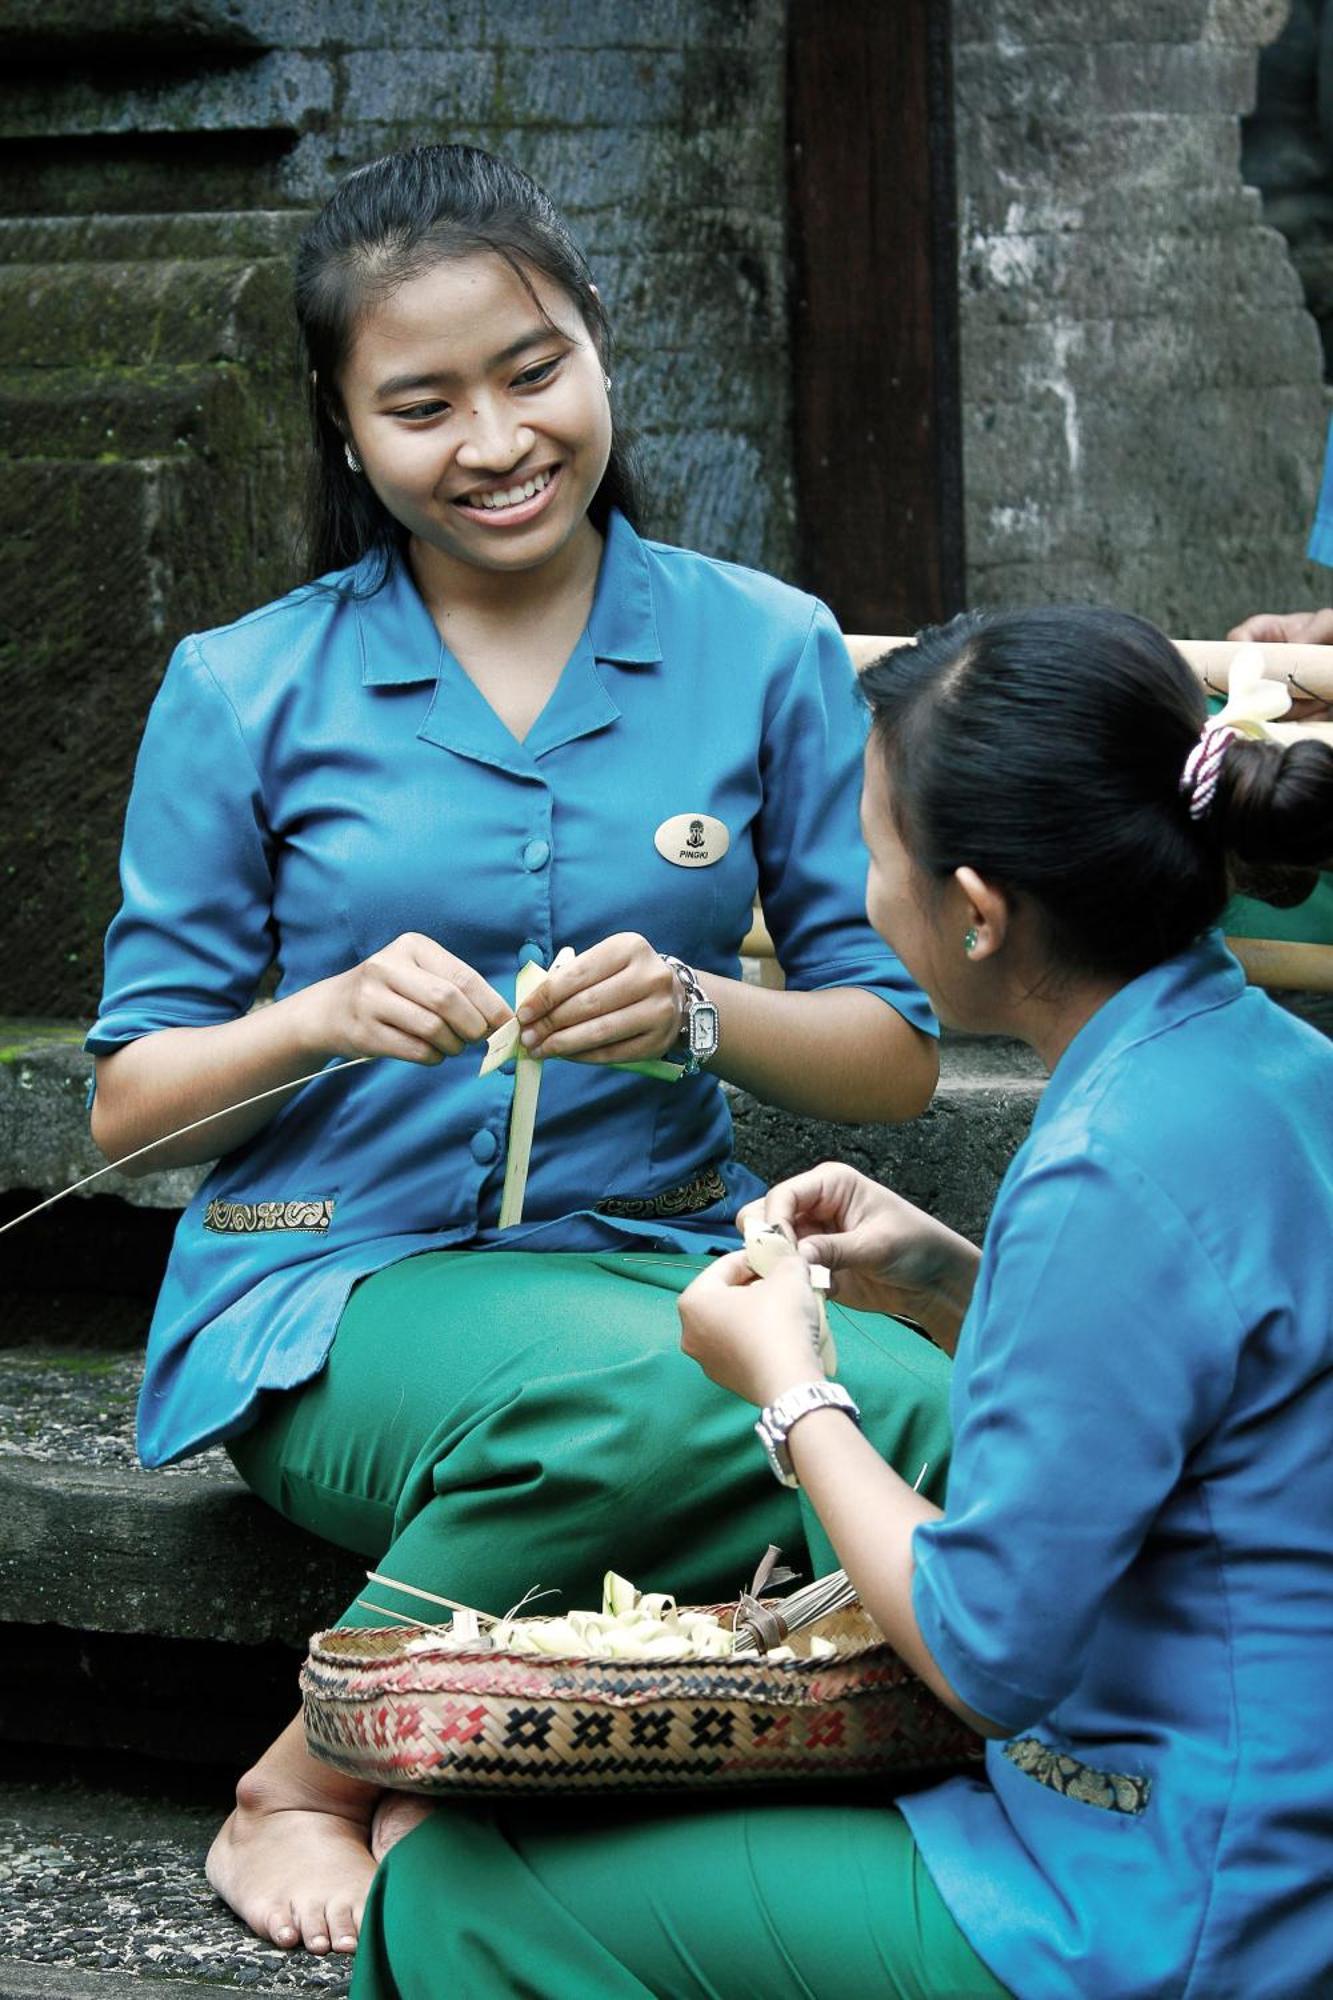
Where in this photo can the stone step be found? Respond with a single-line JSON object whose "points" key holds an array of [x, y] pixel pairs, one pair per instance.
{"points": [[135, 239], [95, 1544], [951, 1160], [139, 312], [162, 1613], [103, 1896], [106, 415]]}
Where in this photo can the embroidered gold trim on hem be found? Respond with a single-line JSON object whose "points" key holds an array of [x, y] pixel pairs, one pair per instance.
{"points": [[1112, 1791], [687, 1199], [250, 1218]]}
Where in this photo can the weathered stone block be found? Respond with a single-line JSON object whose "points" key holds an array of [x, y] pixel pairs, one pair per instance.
{"points": [[1023, 158], [444, 85], [1069, 277], [269, 92], [1017, 23], [1102, 79], [110, 314]]}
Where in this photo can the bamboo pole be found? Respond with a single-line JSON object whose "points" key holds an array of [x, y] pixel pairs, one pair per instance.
{"points": [[1307, 670]]}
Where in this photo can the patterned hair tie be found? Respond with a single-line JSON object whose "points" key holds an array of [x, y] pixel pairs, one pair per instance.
{"points": [[1252, 703], [1203, 767]]}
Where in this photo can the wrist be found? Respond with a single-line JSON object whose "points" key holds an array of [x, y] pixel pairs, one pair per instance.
{"points": [[310, 1021], [696, 1040], [779, 1418]]}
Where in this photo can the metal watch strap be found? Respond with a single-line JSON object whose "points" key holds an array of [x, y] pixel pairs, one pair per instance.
{"points": [[699, 1029], [776, 1421]]}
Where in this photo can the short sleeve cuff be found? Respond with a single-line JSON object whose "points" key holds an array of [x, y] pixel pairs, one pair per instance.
{"points": [[899, 993], [1010, 1708]]}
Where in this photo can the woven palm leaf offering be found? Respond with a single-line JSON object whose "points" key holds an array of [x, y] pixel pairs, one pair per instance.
{"points": [[644, 1695]]}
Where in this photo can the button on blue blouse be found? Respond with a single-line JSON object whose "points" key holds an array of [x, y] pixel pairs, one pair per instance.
{"points": [[1135, 1573], [321, 777]]}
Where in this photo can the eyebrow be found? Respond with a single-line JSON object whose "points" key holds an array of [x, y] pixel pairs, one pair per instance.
{"points": [[398, 385]]}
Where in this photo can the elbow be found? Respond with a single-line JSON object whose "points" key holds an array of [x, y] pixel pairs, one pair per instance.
{"points": [[911, 1076], [107, 1126]]}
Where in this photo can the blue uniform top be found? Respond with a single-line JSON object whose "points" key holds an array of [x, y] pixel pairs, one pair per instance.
{"points": [[1135, 1573], [322, 776], [1320, 546]]}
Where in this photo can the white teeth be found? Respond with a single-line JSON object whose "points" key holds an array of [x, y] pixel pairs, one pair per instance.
{"points": [[514, 497]]}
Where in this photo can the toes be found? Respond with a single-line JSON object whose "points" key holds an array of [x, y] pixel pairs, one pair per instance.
{"points": [[343, 1926], [283, 1928]]}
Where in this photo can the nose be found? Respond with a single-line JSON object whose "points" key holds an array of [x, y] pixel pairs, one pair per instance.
{"points": [[495, 437]]}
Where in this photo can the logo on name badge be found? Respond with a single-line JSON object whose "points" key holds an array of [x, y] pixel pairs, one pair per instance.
{"points": [[692, 840]]}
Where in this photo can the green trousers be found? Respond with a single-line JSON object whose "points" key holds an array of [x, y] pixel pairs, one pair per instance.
{"points": [[495, 1422], [716, 1902]]}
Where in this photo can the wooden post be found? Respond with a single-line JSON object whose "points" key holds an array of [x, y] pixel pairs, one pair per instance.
{"points": [[874, 309]]}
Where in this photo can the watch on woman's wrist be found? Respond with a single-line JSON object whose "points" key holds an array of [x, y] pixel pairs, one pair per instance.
{"points": [[787, 1409], [698, 1040]]}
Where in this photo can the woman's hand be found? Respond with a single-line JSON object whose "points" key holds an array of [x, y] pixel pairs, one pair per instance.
{"points": [[413, 1000], [885, 1255], [755, 1336], [1292, 628], [617, 1002]]}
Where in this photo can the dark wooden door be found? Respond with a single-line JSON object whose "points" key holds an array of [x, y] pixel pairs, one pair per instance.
{"points": [[875, 310]]}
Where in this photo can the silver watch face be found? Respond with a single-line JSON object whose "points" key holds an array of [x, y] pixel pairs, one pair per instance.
{"points": [[703, 1030]]}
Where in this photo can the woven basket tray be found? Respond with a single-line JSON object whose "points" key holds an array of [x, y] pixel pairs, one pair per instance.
{"points": [[396, 1706]]}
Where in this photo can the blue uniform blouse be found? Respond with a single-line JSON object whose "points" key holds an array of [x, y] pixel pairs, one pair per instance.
{"points": [[1135, 1573], [322, 776]]}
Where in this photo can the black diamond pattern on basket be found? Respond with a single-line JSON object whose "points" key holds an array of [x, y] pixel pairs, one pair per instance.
{"points": [[711, 1729], [592, 1732], [651, 1730], [529, 1728]]}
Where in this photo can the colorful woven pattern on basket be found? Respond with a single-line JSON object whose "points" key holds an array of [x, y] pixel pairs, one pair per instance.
{"points": [[400, 1707]]}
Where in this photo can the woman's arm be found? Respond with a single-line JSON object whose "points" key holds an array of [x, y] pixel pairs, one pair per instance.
{"points": [[838, 1053], [757, 1339], [870, 1514], [413, 1001]]}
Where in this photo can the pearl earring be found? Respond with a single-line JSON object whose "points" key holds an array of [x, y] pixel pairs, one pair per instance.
{"points": [[607, 379], [353, 462], [970, 938]]}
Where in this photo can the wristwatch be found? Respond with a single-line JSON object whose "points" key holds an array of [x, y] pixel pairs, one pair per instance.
{"points": [[699, 1027], [776, 1421]]}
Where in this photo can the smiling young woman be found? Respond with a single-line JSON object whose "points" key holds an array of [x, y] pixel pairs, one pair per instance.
{"points": [[463, 745]]}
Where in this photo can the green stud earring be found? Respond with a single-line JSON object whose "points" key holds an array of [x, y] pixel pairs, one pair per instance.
{"points": [[970, 938]]}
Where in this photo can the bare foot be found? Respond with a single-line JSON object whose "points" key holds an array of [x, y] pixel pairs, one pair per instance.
{"points": [[395, 1815], [293, 1860]]}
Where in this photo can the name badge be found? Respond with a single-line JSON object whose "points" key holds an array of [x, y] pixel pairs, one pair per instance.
{"points": [[692, 840]]}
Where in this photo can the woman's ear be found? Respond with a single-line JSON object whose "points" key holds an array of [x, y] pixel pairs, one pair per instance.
{"points": [[987, 914]]}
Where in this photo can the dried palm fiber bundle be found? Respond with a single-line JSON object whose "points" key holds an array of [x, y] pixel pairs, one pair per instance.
{"points": [[645, 1696]]}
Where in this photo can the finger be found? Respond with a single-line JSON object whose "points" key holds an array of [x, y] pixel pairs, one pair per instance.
{"points": [[420, 1024], [626, 987], [1318, 628], [723, 1274], [457, 974], [619, 1036], [1260, 628]]}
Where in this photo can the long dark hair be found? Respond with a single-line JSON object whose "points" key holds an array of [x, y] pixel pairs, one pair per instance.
{"points": [[1045, 750], [384, 224]]}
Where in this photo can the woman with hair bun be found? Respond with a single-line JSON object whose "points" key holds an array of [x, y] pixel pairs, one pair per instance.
{"points": [[1129, 1592], [497, 722]]}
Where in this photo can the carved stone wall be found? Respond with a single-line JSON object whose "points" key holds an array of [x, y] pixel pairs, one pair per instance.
{"points": [[1141, 379]]}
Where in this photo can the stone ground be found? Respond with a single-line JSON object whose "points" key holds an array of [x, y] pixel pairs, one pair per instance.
{"points": [[101, 1880]]}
